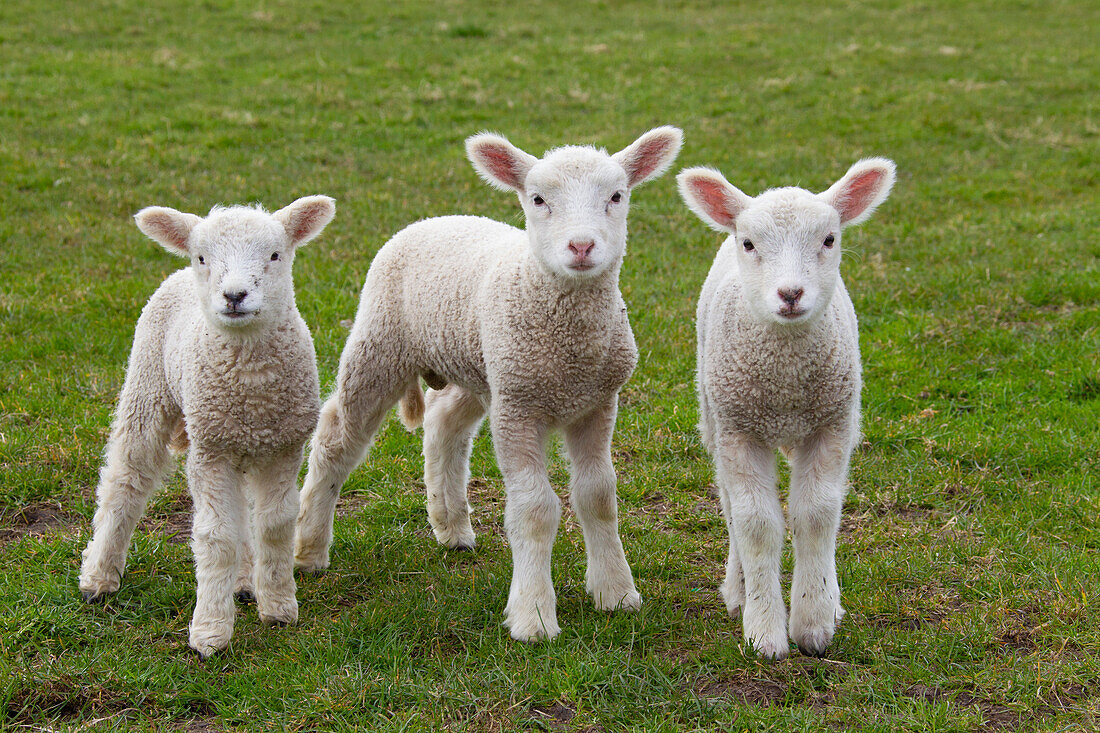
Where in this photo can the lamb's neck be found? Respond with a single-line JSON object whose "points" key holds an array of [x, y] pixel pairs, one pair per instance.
{"points": [[600, 289]]}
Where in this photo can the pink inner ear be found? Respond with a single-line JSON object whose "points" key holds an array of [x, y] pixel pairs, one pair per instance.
{"points": [[501, 163], [645, 159], [712, 196], [305, 221], [858, 194], [170, 229]]}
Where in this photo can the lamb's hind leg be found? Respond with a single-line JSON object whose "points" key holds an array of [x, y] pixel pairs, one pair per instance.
{"points": [[819, 470], [136, 461], [275, 506], [451, 420], [366, 389], [592, 494]]}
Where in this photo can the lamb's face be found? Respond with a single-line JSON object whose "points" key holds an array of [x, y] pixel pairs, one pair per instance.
{"points": [[788, 247], [575, 198], [242, 261], [241, 257], [576, 201]]}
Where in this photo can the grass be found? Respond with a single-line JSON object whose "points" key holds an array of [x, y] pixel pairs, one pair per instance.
{"points": [[968, 555]]}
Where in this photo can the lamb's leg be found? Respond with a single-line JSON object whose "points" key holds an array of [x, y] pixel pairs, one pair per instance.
{"points": [[275, 506], [819, 470], [136, 461], [732, 589], [349, 419], [746, 473], [531, 515], [243, 588], [216, 537], [451, 420], [592, 494]]}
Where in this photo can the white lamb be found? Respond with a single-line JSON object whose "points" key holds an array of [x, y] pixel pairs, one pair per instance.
{"points": [[527, 325], [223, 361], [778, 366]]}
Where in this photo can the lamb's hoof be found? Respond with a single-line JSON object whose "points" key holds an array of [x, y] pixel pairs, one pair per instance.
{"points": [[285, 614], [531, 627], [462, 548], [204, 653], [733, 598], [462, 540], [93, 597], [244, 596], [630, 600], [310, 566], [819, 653]]}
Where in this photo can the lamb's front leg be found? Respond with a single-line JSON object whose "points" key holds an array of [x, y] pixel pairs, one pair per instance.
{"points": [[592, 494], [819, 469], [216, 536], [531, 514], [275, 507], [746, 473]]}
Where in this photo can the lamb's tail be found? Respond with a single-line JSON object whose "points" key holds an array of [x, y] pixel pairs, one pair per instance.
{"points": [[410, 408]]}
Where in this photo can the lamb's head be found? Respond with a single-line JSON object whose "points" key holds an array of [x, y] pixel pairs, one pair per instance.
{"points": [[576, 197], [788, 239], [241, 256]]}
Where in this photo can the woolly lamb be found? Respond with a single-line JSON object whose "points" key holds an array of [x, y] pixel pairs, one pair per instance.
{"points": [[221, 360], [778, 366], [527, 325]]}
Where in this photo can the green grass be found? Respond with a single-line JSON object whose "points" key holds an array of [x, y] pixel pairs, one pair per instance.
{"points": [[969, 554]]}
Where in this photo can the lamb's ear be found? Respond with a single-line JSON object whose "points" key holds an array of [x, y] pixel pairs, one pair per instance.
{"points": [[305, 218], [861, 190], [650, 155], [713, 199], [498, 161], [167, 227]]}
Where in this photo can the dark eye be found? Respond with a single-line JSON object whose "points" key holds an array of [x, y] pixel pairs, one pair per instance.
{"points": [[274, 256], [539, 201], [828, 242], [748, 246], [616, 197], [201, 260]]}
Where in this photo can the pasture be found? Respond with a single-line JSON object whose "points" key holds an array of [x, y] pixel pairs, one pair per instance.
{"points": [[969, 555]]}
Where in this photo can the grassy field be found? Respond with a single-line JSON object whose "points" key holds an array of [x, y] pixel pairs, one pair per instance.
{"points": [[969, 556]]}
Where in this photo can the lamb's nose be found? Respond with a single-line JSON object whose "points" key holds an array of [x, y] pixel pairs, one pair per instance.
{"points": [[790, 295], [581, 248], [235, 297]]}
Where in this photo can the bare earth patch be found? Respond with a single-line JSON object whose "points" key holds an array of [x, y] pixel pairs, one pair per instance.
{"points": [[35, 520]]}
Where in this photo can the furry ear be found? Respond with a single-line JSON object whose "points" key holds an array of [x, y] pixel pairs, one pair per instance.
{"points": [[650, 155], [861, 190], [167, 227], [498, 161], [305, 218], [713, 199]]}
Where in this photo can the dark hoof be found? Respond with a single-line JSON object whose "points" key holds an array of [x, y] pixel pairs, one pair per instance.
{"points": [[462, 548], [94, 598], [811, 653], [275, 624], [244, 596], [202, 657]]}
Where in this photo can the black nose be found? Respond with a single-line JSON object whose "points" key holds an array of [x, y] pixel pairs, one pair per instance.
{"points": [[236, 297], [790, 295]]}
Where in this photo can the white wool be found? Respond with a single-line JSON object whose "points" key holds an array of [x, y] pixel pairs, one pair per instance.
{"points": [[221, 361], [779, 367], [527, 326]]}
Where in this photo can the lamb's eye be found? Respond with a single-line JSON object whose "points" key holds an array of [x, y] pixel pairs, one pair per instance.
{"points": [[201, 260], [748, 246], [274, 256], [828, 242], [539, 200], [616, 197]]}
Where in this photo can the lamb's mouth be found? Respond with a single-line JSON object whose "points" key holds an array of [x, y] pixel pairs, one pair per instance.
{"points": [[582, 266], [791, 314], [236, 315]]}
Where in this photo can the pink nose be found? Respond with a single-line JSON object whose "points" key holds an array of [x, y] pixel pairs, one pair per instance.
{"points": [[581, 248]]}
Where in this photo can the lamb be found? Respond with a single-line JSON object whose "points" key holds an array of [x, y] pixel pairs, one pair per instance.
{"points": [[779, 367], [528, 326], [222, 362]]}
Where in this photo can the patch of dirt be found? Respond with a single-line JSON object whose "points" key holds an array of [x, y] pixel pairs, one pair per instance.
{"points": [[36, 520], [173, 521], [995, 715], [62, 699], [748, 691], [556, 714]]}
